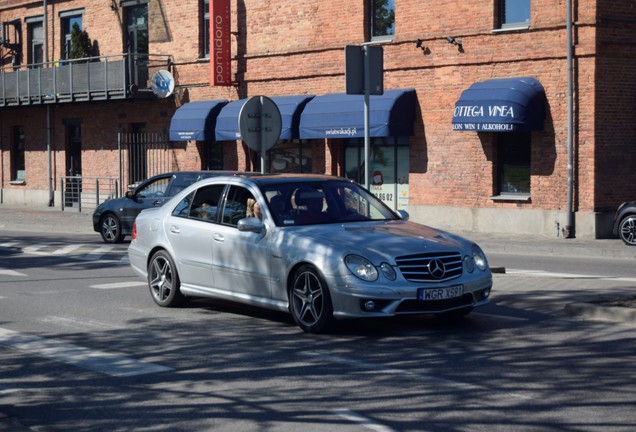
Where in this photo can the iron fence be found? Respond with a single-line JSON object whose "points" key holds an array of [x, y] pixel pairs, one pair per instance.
{"points": [[86, 193]]}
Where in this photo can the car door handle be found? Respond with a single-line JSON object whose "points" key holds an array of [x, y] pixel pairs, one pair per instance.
{"points": [[175, 229], [156, 203], [218, 237]]}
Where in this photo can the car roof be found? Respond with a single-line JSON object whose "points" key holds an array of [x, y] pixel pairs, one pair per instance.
{"points": [[267, 179]]}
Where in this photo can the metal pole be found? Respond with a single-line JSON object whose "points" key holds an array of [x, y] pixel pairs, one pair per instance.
{"points": [[367, 85], [262, 126], [569, 227]]}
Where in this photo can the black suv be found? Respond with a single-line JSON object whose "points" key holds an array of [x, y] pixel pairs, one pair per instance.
{"points": [[113, 219], [625, 223]]}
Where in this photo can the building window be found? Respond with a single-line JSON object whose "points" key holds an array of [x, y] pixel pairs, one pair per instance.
{"points": [[388, 168], [17, 154], [290, 156], [381, 19], [513, 14], [36, 42], [513, 164], [205, 29], [68, 20]]}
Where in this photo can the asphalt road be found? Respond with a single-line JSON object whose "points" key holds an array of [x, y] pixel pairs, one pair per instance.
{"points": [[84, 348]]}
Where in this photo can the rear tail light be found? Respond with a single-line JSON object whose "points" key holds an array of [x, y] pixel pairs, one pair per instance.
{"points": [[134, 231]]}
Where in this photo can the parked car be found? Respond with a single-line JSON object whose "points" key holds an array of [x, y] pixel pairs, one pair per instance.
{"points": [[625, 223], [114, 218], [325, 249]]}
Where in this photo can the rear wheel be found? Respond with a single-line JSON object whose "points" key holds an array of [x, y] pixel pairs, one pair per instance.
{"points": [[110, 229], [163, 281], [310, 302], [627, 230]]}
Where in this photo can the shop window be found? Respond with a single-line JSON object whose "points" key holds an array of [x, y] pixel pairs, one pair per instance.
{"points": [[388, 168], [212, 156], [513, 150], [381, 19], [205, 29], [68, 19], [17, 155], [290, 157], [36, 42], [513, 14]]}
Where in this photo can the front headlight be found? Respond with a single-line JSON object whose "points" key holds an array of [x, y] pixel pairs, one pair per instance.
{"points": [[480, 258], [361, 267]]}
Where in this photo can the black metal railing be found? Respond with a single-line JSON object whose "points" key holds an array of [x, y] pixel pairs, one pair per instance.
{"points": [[120, 76]]}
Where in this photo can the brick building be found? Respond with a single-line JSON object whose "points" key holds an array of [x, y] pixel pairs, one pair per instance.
{"points": [[479, 127]]}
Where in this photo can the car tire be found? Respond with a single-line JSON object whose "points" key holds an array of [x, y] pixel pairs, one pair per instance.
{"points": [[163, 281], [110, 229], [310, 301], [627, 230]]}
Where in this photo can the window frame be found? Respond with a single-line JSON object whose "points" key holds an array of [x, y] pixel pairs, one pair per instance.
{"points": [[371, 8], [35, 44], [500, 17], [67, 18], [18, 155], [205, 29], [504, 145]]}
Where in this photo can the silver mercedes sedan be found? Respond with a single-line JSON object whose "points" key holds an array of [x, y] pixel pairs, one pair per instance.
{"points": [[319, 247]]}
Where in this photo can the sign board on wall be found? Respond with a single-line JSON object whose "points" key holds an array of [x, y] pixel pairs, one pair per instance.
{"points": [[220, 43]]}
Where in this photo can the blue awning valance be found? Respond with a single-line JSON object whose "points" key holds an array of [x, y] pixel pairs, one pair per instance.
{"points": [[195, 120], [290, 108], [501, 105], [340, 115]]}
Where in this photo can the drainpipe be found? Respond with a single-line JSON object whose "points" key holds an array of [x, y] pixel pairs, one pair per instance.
{"points": [[48, 109], [568, 232]]}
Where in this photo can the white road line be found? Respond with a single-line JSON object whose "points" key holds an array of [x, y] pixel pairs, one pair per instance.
{"points": [[415, 376], [99, 361], [546, 274], [117, 285], [363, 421], [67, 249], [97, 253], [11, 272]]}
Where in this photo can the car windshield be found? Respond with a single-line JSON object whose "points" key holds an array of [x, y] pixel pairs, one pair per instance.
{"points": [[309, 203]]}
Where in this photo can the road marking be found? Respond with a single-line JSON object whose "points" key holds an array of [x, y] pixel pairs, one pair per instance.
{"points": [[541, 273], [363, 421], [486, 391], [100, 361], [67, 249], [97, 253], [11, 272], [117, 285]]}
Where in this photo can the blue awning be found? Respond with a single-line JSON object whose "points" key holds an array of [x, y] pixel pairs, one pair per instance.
{"points": [[340, 115], [501, 105], [290, 108], [195, 120]]}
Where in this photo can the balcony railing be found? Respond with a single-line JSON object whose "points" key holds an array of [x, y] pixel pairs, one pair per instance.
{"points": [[121, 76]]}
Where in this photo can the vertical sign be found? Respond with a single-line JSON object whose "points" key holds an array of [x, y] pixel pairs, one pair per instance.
{"points": [[220, 38]]}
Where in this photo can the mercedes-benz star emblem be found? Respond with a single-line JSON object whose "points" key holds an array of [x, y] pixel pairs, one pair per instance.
{"points": [[436, 268]]}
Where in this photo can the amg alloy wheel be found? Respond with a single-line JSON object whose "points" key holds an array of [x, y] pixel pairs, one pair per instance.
{"points": [[310, 302], [163, 281]]}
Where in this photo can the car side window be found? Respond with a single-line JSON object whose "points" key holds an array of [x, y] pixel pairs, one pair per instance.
{"points": [[183, 208], [156, 189], [205, 205], [236, 205]]}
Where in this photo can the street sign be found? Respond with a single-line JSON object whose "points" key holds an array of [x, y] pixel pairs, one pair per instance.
{"points": [[260, 124], [355, 68]]}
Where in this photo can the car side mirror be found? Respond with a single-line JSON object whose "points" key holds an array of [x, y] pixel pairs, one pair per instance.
{"points": [[251, 224], [129, 194], [403, 214]]}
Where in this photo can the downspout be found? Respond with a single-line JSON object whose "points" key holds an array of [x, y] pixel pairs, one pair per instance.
{"points": [[48, 109], [569, 231]]}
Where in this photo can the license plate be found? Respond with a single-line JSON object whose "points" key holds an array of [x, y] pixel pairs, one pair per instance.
{"points": [[426, 294]]}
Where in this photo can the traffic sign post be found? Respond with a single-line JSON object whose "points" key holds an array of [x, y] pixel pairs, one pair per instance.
{"points": [[364, 68], [260, 124]]}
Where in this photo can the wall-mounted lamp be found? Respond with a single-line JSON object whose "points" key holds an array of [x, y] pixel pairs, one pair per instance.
{"points": [[420, 44], [451, 40]]}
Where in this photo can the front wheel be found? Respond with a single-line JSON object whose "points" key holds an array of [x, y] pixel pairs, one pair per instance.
{"points": [[163, 281], [310, 302], [110, 229], [627, 230]]}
